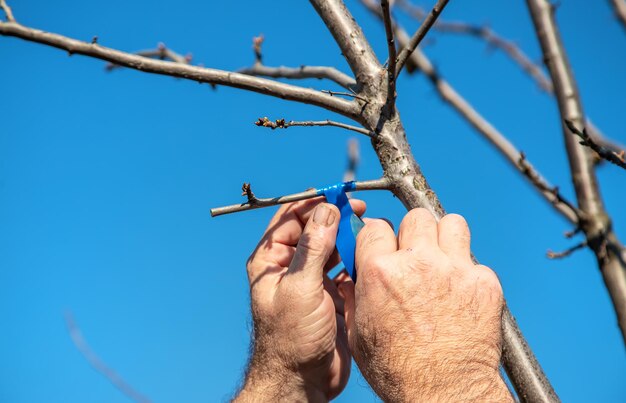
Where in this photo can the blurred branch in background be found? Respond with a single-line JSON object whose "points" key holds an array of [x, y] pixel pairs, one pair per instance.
{"points": [[619, 6], [98, 364]]}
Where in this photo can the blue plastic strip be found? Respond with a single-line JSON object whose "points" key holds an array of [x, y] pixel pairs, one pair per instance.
{"points": [[349, 223]]}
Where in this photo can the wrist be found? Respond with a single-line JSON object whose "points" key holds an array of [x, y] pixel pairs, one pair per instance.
{"points": [[270, 381], [472, 383]]}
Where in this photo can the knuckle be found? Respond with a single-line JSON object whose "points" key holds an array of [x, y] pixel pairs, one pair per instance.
{"points": [[488, 280], [456, 222], [415, 216], [312, 245], [371, 232]]}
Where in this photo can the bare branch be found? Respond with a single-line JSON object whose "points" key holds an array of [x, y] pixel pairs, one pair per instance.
{"points": [[492, 39], [613, 157], [619, 6], [282, 124], [354, 157], [98, 364], [350, 38], [345, 94], [391, 49], [419, 34], [540, 183], [559, 255], [254, 202], [162, 52], [480, 123], [7, 11], [199, 74], [302, 72], [257, 45], [595, 221]]}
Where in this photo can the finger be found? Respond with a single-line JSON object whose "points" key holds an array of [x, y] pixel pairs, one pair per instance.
{"points": [[331, 289], [286, 227], [314, 248], [454, 238], [418, 229], [375, 239], [288, 223]]}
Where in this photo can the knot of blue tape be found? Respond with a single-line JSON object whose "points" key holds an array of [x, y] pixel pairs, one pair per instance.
{"points": [[349, 224]]}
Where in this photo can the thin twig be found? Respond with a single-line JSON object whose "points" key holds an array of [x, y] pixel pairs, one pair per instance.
{"points": [[98, 364], [254, 202], [492, 39], [419, 34], [613, 157], [282, 124], [257, 45], [391, 49], [345, 94], [194, 73], [559, 255], [302, 72], [162, 52], [354, 158], [7, 11], [540, 183]]}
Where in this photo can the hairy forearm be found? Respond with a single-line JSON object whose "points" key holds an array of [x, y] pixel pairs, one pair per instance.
{"points": [[471, 384], [266, 383]]}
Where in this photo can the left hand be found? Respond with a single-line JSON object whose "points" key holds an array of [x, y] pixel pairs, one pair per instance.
{"points": [[300, 346]]}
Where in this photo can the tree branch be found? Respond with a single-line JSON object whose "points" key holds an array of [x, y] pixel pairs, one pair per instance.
{"points": [[613, 157], [162, 52], [254, 202], [354, 158], [302, 72], [566, 252], [98, 364], [199, 74], [449, 95], [492, 39], [595, 222], [350, 38], [282, 124], [619, 6], [391, 50], [419, 34], [7, 11]]}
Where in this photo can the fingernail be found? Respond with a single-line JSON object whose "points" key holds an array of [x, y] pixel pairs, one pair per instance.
{"points": [[323, 215]]}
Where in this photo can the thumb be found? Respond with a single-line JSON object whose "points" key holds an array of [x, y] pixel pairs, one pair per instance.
{"points": [[315, 246], [346, 290]]}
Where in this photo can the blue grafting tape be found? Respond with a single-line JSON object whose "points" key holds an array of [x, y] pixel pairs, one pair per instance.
{"points": [[349, 223]]}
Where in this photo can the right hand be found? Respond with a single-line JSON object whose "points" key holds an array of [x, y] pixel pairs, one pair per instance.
{"points": [[423, 321]]}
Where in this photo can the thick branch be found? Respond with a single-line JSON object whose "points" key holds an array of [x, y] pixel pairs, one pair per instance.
{"points": [[492, 39], [619, 6], [254, 202], [199, 74], [282, 124], [348, 34], [482, 125], [98, 364], [595, 222], [421, 32]]}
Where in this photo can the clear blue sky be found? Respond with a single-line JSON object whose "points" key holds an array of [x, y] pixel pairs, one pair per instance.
{"points": [[106, 180]]}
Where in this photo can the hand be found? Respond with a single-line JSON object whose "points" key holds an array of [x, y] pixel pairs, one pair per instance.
{"points": [[300, 345], [424, 321]]}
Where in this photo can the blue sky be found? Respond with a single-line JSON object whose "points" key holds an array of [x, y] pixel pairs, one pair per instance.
{"points": [[106, 181]]}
